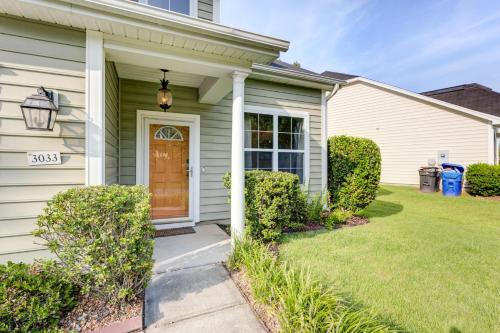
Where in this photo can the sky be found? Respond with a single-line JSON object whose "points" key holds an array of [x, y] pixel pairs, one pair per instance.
{"points": [[418, 45]]}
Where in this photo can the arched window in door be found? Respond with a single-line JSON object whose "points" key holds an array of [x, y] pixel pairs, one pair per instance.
{"points": [[168, 133]]}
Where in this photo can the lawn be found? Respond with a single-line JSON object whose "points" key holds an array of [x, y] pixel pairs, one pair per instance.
{"points": [[425, 262]]}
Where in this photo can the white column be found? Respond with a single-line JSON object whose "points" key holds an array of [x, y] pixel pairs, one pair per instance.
{"points": [[238, 157], [324, 141], [94, 129]]}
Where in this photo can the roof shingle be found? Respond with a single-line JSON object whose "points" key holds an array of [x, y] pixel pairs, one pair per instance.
{"points": [[339, 76], [473, 96]]}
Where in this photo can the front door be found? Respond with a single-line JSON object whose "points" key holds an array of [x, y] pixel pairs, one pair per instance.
{"points": [[169, 171]]}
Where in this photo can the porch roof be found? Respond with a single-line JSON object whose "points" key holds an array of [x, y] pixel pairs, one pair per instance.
{"points": [[144, 23]]}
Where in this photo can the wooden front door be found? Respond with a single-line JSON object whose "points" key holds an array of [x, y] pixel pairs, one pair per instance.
{"points": [[169, 171]]}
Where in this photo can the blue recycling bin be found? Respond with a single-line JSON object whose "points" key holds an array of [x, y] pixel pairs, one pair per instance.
{"points": [[452, 178]]}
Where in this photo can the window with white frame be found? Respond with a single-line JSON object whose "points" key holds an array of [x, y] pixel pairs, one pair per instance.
{"points": [[276, 141], [179, 6]]}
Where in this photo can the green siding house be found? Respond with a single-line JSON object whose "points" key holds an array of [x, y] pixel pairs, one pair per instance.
{"points": [[231, 108]]}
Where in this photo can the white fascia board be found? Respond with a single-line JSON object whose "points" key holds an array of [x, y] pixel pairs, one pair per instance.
{"points": [[470, 112], [270, 73], [160, 16]]}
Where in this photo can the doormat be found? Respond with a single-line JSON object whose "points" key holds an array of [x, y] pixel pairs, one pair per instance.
{"points": [[174, 232]]}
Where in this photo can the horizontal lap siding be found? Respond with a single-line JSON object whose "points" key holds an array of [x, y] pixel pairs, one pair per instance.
{"points": [[291, 98], [215, 128], [111, 125], [409, 132], [206, 9], [32, 55]]}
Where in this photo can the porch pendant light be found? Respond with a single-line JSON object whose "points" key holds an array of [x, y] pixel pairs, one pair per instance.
{"points": [[164, 94], [40, 111]]}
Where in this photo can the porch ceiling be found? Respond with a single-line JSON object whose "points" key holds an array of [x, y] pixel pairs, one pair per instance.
{"points": [[140, 73], [127, 20]]}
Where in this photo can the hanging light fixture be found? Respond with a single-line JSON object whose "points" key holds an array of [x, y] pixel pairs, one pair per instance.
{"points": [[40, 110], [164, 94]]}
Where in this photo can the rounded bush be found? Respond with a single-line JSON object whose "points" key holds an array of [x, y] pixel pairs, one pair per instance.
{"points": [[353, 172], [273, 202], [33, 297], [483, 179], [103, 237]]}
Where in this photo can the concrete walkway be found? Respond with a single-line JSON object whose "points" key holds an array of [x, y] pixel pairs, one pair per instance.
{"points": [[191, 291]]}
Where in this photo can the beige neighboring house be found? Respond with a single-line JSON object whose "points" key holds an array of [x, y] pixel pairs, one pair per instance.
{"points": [[234, 108], [412, 128]]}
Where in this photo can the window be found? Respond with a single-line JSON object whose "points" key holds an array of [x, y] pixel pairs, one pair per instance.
{"points": [[276, 142], [168, 133], [179, 6]]}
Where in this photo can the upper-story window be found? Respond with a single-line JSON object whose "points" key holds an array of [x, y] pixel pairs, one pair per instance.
{"points": [[179, 6]]}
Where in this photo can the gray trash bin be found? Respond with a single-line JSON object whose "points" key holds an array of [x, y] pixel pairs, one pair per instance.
{"points": [[429, 179]]}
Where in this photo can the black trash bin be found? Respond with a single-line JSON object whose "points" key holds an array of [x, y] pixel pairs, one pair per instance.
{"points": [[429, 179]]}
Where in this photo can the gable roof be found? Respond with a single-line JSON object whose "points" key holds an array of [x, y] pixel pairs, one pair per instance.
{"points": [[338, 75], [473, 96], [495, 120]]}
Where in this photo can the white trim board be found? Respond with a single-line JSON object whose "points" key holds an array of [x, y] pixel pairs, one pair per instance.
{"points": [[95, 109], [144, 119]]}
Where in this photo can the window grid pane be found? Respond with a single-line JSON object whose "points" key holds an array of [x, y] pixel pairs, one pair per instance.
{"points": [[259, 139]]}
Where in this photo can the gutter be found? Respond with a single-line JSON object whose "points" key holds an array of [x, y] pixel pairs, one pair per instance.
{"points": [[294, 77]]}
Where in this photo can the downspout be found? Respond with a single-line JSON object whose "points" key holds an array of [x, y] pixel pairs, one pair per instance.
{"points": [[324, 135], [336, 88], [496, 143]]}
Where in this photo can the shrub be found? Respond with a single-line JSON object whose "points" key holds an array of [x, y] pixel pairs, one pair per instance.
{"points": [[299, 301], [353, 172], [33, 297], [337, 217], [483, 179], [273, 202], [103, 237]]}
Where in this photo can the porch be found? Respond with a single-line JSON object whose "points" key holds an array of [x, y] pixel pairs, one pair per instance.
{"points": [[127, 134]]}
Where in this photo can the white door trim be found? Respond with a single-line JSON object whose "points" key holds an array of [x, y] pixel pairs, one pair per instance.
{"points": [[144, 119]]}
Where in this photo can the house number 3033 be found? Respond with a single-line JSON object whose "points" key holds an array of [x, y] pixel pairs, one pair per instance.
{"points": [[44, 157]]}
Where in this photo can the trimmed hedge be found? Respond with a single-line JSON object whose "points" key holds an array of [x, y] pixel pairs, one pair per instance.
{"points": [[103, 237], [273, 200], [353, 172], [34, 297], [483, 179]]}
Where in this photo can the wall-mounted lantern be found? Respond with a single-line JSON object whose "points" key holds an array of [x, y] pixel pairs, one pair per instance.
{"points": [[164, 94], [40, 110]]}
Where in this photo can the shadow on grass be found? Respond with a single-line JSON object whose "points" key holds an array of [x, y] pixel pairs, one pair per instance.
{"points": [[383, 191], [381, 208]]}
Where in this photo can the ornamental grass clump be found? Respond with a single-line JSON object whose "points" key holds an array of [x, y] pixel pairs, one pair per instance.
{"points": [[354, 166], [273, 202], [299, 301], [103, 237]]}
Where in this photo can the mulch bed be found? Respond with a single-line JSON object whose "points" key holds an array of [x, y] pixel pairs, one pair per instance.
{"points": [[90, 315], [355, 221], [264, 314], [311, 226]]}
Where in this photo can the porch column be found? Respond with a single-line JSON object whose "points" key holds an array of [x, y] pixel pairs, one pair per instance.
{"points": [[94, 129], [238, 157]]}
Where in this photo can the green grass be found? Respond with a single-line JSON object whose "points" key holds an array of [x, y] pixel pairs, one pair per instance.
{"points": [[425, 262]]}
